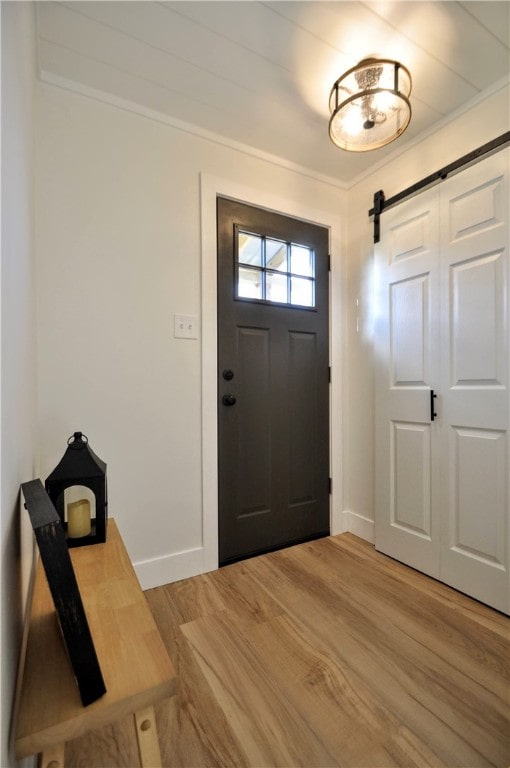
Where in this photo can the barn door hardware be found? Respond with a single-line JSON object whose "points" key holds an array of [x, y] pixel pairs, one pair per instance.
{"points": [[380, 204], [433, 413]]}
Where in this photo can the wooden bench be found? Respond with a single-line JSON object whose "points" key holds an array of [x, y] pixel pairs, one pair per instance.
{"points": [[136, 667]]}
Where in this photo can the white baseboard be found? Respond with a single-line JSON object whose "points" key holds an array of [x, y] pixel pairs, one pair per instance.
{"points": [[169, 568], [353, 522], [182, 565], [339, 522]]}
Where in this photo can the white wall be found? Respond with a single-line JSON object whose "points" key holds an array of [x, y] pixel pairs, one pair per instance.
{"points": [[484, 121], [18, 371], [118, 253]]}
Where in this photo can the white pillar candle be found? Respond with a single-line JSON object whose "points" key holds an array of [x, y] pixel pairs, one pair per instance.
{"points": [[78, 519]]}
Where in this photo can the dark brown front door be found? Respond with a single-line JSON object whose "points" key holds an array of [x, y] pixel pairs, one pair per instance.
{"points": [[273, 380]]}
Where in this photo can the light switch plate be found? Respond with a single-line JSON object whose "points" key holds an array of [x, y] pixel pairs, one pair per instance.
{"points": [[186, 326]]}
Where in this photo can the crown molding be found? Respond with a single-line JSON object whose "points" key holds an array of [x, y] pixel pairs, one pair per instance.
{"points": [[189, 128]]}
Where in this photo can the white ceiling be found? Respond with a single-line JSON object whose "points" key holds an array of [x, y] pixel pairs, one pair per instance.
{"points": [[260, 73]]}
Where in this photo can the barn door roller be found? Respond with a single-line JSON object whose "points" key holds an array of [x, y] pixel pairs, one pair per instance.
{"points": [[381, 204]]}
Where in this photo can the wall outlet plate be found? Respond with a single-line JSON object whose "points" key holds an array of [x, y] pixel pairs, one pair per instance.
{"points": [[186, 326]]}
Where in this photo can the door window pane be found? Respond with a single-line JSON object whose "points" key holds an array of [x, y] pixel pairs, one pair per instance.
{"points": [[276, 255], [275, 271], [301, 292], [250, 249], [250, 283], [301, 261], [276, 287]]}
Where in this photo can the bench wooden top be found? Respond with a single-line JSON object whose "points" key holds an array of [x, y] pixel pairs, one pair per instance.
{"points": [[136, 667]]}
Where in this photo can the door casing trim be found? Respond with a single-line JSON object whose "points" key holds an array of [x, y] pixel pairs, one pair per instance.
{"points": [[210, 188]]}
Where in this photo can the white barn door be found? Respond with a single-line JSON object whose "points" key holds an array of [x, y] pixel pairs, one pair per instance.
{"points": [[407, 365], [474, 374], [442, 483]]}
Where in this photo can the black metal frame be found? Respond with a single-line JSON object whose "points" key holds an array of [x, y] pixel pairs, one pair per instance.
{"points": [[381, 204], [267, 270], [65, 592], [80, 466]]}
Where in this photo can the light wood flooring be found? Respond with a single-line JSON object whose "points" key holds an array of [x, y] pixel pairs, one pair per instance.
{"points": [[324, 654]]}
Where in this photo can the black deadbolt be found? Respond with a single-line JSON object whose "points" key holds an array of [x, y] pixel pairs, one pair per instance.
{"points": [[228, 375]]}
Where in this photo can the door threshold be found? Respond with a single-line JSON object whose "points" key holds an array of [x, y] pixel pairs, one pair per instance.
{"points": [[275, 548]]}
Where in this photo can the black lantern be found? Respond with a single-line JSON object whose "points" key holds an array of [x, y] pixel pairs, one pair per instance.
{"points": [[84, 509]]}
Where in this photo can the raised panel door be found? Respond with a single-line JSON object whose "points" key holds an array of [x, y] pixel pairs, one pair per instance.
{"points": [[273, 380], [407, 271], [475, 393], [442, 323]]}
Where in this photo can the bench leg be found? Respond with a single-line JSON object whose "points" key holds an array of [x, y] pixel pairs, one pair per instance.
{"points": [[147, 737], [52, 757]]}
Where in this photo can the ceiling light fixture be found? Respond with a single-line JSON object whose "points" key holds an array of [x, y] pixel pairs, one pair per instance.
{"points": [[370, 105]]}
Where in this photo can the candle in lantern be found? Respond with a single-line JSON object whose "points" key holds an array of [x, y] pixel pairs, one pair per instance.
{"points": [[78, 519]]}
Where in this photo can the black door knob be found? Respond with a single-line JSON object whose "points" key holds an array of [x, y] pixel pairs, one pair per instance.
{"points": [[228, 400]]}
